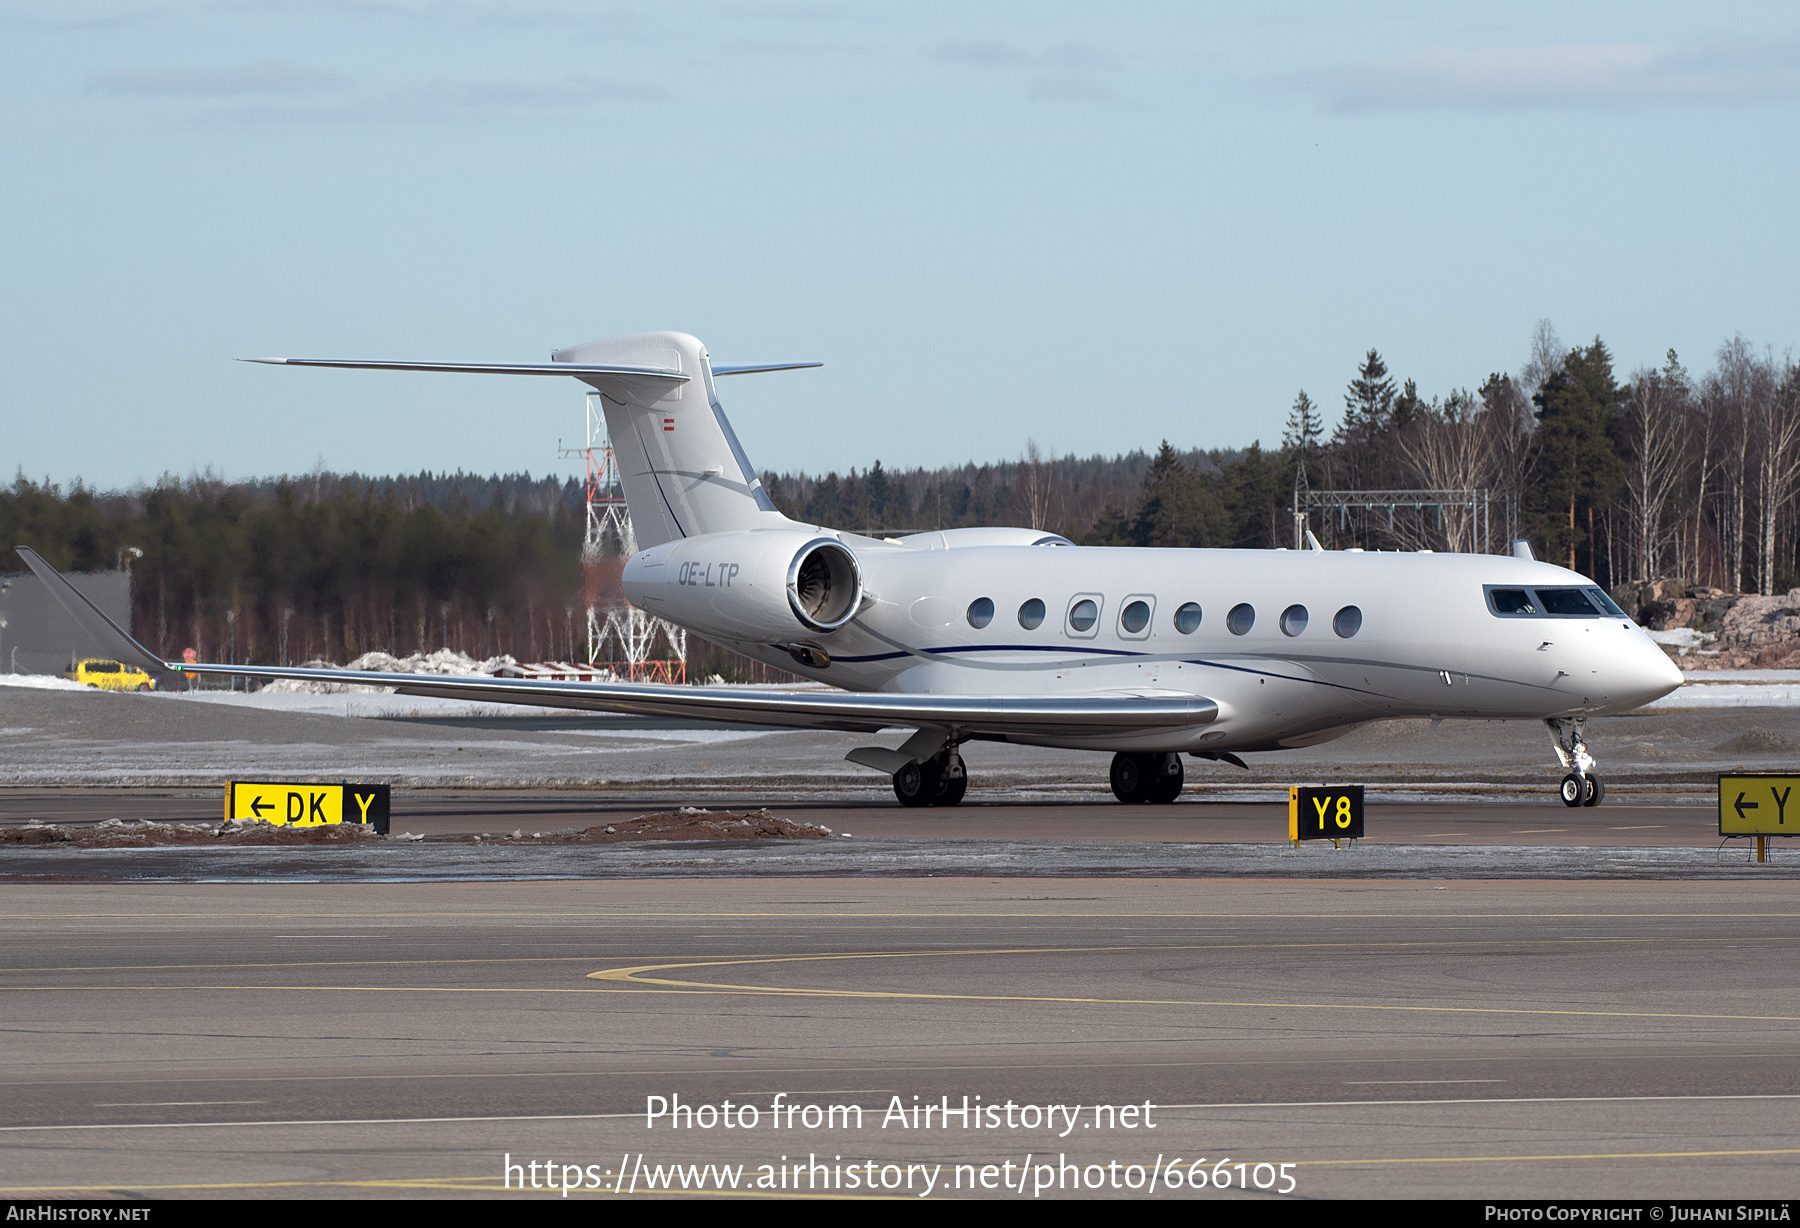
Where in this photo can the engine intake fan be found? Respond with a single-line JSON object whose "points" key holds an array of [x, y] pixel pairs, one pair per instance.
{"points": [[824, 585]]}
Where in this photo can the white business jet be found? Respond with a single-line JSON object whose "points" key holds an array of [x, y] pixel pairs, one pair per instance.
{"points": [[1015, 635]]}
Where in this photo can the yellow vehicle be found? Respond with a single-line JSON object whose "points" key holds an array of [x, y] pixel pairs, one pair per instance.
{"points": [[110, 676]]}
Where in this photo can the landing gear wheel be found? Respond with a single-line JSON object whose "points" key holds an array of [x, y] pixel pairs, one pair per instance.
{"points": [[1596, 792], [954, 788], [1573, 790], [1167, 786], [919, 784], [1129, 773]]}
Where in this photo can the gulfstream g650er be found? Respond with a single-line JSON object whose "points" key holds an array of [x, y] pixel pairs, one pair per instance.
{"points": [[1017, 636]]}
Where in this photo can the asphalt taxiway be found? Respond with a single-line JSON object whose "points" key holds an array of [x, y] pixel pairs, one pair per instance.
{"points": [[1453, 1039]]}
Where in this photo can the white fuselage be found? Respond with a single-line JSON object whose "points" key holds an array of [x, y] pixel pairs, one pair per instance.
{"points": [[1428, 643]]}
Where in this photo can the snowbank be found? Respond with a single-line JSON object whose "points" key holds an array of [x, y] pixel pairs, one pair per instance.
{"points": [[43, 682], [444, 661]]}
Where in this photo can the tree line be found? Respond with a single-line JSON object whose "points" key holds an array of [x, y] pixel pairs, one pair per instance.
{"points": [[325, 566], [1664, 473]]}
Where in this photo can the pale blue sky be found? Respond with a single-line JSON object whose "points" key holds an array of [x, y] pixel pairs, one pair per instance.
{"points": [[1092, 226]]}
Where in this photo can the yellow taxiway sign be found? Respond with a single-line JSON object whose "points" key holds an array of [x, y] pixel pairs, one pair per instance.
{"points": [[1758, 805], [290, 804]]}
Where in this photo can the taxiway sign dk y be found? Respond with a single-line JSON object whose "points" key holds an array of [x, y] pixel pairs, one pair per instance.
{"points": [[287, 804]]}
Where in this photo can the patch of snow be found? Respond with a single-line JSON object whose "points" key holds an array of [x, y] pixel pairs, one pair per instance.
{"points": [[444, 661], [1683, 639], [363, 701], [1731, 695], [43, 682]]}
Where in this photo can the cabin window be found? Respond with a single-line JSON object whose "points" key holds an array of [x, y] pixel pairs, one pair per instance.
{"points": [[981, 612], [1347, 621], [1187, 618], [1134, 618], [1083, 615], [1241, 619], [1031, 614], [1293, 620]]}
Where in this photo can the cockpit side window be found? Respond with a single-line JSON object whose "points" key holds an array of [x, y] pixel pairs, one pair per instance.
{"points": [[1598, 597], [1567, 601], [1511, 602]]}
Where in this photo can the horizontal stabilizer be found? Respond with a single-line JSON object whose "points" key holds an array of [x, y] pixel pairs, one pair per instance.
{"points": [[578, 370], [752, 368]]}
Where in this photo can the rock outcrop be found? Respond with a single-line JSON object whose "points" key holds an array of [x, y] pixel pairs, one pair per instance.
{"points": [[1705, 628]]}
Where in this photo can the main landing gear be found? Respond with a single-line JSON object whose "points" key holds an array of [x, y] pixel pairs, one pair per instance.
{"points": [[1580, 787], [938, 781], [1141, 778]]}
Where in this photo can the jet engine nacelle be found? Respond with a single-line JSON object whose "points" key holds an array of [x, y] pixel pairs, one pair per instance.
{"points": [[762, 585]]}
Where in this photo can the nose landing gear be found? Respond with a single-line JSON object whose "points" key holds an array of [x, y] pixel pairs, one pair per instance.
{"points": [[1152, 778], [1580, 787]]}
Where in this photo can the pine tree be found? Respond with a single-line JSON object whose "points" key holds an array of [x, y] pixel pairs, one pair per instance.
{"points": [[1305, 431], [1368, 409], [1369, 401], [1178, 507], [1578, 473], [1408, 407]]}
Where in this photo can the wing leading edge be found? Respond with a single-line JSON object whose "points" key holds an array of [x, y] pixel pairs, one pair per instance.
{"points": [[840, 710]]}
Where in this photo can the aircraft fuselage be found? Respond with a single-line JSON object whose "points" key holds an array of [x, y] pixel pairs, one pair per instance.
{"points": [[1294, 646]]}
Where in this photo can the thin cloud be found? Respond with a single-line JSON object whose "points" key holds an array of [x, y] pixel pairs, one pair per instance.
{"points": [[64, 20], [1570, 75], [779, 49], [983, 53], [1073, 87], [267, 78], [445, 100], [492, 95], [1068, 72]]}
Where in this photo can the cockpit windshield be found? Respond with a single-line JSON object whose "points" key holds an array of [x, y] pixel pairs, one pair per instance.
{"points": [[1559, 602]]}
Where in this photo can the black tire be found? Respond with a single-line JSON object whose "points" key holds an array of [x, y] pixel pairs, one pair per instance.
{"points": [[1166, 786], [1132, 777], [954, 788], [919, 784], [1572, 790], [1596, 792]]}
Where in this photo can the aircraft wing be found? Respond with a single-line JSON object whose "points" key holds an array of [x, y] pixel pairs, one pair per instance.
{"points": [[841, 710]]}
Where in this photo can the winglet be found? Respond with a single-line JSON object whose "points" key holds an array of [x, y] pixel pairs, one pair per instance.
{"points": [[89, 617]]}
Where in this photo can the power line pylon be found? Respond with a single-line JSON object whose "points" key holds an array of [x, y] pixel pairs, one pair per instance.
{"points": [[605, 545]]}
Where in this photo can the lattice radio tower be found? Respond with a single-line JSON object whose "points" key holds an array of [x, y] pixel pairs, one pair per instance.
{"points": [[605, 546]]}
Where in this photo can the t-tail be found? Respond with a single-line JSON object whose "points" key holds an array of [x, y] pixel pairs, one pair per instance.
{"points": [[682, 467]]}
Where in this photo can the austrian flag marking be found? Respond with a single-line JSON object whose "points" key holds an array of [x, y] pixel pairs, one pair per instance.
{"points": [[668, 424]]}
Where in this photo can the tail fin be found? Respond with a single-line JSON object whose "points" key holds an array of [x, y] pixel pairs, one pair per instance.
{"points": [[683, 469]]}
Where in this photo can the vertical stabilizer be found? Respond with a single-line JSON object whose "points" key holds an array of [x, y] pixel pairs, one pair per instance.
{"points": [[683, 470]]}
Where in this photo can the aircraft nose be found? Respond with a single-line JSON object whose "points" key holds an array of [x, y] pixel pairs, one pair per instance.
{"points": [[1646, 674]]}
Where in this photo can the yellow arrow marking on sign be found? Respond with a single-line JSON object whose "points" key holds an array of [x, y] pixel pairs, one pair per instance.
{"points": [[289, 805]]}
